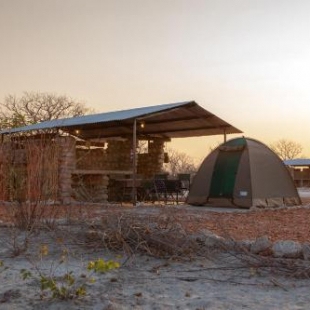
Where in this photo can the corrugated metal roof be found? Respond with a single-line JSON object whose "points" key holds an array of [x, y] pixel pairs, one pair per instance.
{"points": [[297, 162], [96, 118], [183, 119]]}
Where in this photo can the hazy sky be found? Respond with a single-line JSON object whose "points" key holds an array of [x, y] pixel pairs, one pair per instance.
{"points": [[247, 61]]}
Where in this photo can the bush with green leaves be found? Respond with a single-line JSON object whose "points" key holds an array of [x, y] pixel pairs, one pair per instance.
{"points": [[67, 285]]}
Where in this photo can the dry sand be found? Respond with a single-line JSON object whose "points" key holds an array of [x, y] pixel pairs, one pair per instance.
{"points": [[218, 281]]}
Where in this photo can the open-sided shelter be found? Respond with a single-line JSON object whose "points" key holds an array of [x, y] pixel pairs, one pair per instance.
{"points": [[173, 120], [243, 172], [115, 136]]}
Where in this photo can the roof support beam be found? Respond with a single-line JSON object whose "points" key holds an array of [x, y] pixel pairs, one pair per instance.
{"points": [[167, 131]]}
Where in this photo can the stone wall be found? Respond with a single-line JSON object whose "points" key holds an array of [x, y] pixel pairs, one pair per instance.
{"points": [[45, 168], [151, 162], [91, 159], [119, 155], [3, 172], [29, 170]]}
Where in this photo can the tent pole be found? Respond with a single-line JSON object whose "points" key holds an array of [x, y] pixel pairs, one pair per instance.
{"points": [[134, 163]]}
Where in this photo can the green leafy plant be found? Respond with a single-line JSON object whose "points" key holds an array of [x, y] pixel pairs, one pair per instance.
{"points": [[67, 285], [102, 266], [62, 287]]}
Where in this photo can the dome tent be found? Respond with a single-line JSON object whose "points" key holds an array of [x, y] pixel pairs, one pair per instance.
{"points": [[243, 172]]}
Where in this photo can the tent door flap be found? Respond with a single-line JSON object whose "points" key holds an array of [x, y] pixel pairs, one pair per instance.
{"points": [[224, 174]]}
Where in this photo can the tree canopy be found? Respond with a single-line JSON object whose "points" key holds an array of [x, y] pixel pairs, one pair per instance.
{"points": [[35, 107], [286, 149], [180, 162]]}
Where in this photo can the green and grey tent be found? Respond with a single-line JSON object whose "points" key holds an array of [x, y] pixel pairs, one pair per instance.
{"points": [[243, 172]]}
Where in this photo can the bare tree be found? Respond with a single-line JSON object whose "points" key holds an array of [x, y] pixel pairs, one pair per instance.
{"points": [[180, 162], [286, 149], [34, 107]]}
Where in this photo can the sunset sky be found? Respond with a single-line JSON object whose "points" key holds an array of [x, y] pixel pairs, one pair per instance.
{"points": [[247, 61]]}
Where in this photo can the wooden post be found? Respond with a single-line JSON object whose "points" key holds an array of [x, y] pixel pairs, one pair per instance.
{"points": [[134, 163]]}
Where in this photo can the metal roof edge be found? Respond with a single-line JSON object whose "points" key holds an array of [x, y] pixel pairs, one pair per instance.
{"points": [[297, 162], [98, 117]]}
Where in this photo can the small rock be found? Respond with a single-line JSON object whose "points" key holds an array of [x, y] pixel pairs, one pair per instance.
{"points": [[245, 244], [306, 251], [261, 244], [212, 240], [287, 249]]}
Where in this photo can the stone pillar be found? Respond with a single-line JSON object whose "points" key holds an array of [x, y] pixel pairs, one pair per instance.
{"points": [[101, 189], [67, 163]]}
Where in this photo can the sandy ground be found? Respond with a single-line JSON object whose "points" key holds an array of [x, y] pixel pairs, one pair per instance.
{"points": [[216, 280]]}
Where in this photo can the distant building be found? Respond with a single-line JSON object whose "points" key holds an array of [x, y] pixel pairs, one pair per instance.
{"points": [[300, 171]]}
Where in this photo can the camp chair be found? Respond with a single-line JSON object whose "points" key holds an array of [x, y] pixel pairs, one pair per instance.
{"points": [[160, 190], [147, 191], [173, 189], [185, 183], [167, 190]]}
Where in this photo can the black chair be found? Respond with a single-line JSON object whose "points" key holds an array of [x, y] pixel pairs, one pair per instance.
{"points": [[167, 190], [147, 191], [173, 189], [185, 183], [160, 190]]}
